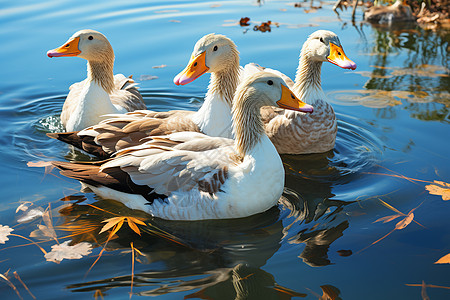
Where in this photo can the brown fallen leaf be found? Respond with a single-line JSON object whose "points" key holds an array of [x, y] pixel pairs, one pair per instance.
{"points": [[439, 188], [444, 259], [244, 21], [265, 26]]}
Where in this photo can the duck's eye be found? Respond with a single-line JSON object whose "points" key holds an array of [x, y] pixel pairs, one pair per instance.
{"points": [[269, 82], [292, 96], [321, 39], [339, 53], [90, 38], [67, 45], [215, 48], [195, 64]]}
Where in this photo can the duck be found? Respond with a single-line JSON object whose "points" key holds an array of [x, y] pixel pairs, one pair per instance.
{"points": [[215, 54], [193, 176], [295, 132], [102, 92]]}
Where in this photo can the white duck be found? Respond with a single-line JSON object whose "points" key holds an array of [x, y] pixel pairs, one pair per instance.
{"points": [[299, 133], [213, 53], [191, 176], [101, 92]]}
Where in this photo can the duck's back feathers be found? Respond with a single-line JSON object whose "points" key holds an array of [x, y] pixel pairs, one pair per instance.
{"points": [[113, 178], [126, 94], [127, 130]]}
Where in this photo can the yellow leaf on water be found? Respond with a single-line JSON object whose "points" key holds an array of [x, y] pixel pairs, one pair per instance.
{"points": [[439, 188], [405, 222], [444, 259], [110, 223]]}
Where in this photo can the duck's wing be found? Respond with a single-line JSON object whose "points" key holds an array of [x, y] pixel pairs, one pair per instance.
{"points": [[176, 163], [127, 130], [126, 94], [253, 68]]}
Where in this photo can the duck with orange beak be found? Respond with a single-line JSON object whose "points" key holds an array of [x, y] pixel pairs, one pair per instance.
{"points": [[102, 92]]}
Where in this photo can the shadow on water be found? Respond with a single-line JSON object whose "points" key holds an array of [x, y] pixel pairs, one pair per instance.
{"points": [[226, 254]]}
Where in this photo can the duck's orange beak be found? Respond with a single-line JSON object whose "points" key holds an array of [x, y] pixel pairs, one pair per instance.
{"points": [[68, 49], [338, 57], [195, 68], [290, 101]]}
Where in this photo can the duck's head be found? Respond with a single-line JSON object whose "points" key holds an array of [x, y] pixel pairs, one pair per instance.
{"points": [[269, 89], [212, 53], [324, 45], [88, 44]]}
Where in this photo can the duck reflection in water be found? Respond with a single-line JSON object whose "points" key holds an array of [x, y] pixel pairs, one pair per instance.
{"points": [[226, 254], [319, 220]]}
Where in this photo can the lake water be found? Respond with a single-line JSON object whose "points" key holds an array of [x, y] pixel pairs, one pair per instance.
{"points": [[393, 141]]}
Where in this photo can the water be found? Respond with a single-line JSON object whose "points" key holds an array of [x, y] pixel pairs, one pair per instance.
{"points": [[393, 120]]}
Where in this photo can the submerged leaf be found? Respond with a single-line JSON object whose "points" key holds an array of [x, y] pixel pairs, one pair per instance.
{"points": [[439, 188], [388, 218], [444, 259], [43, 232], [4, 232], [65, 251]]}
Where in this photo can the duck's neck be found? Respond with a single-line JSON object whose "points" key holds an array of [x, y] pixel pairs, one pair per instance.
{"points": [[101, 72], [247, 126], [214, 117], [307, 80]]}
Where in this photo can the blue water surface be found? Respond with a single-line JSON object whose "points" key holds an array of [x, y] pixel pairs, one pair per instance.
{"points": [[393, 141]]}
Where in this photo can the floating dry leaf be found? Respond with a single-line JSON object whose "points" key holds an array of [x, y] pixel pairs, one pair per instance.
{"points": [[119, 221], [31, 215], [265, 26], [244, 21], [65, 251], [444, 259], [43, 233], [215, 5], [24, 206], [439, 188], [4, 232], [405, 222], [175, 21]]}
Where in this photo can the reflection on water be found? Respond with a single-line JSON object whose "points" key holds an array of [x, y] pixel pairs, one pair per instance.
{"points": [[330, 200]]}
